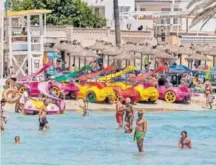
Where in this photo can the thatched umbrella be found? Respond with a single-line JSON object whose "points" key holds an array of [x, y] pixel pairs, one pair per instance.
{"points": [[193, 57], [62, 46], [163, 55], [127, 56], [197, 57], [99, 45], [111, 51], [130, 47]]}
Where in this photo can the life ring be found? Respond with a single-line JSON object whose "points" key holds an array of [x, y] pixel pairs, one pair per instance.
{"points": [[11, 96]]}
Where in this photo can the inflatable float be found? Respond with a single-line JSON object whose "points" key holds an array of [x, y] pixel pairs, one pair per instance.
{"points": [[32, 106]]}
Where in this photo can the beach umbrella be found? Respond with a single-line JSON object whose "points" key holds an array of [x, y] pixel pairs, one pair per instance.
{"points": [[49, 49], [62, 46], [99, 45], [161, 54], [127, 56], [75, 50], [179, 68], [86, 53], [130, 47], [111, 51], [197, 57], [53, 55]]}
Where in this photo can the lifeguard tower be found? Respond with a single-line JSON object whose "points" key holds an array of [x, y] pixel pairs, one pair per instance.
{"points": [[25, 40]]}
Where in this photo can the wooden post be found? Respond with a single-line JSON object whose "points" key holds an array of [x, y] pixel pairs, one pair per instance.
{"points": [[214, 61], [85, 61], [79, 62], [108, 60], [74, 60], [180, 59], [141, 61]]}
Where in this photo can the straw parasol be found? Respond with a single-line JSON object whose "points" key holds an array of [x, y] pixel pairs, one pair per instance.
{"points": [[75, 50], [112, 51], [163, 55], [125, 55], [100, 45], [197, 57], [62, 46], [130, 47]]}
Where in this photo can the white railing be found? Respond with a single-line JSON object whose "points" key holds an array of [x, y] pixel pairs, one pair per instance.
{"points": [[186, 40]]}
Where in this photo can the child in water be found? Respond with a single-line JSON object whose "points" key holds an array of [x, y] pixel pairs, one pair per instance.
{"points": [[85, 107]]}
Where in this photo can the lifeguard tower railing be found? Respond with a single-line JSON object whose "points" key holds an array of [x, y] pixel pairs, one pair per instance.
{"points": [[25, 50]]}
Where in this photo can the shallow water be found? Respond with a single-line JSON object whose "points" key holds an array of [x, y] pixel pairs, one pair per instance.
{"points": [[73, 139]]}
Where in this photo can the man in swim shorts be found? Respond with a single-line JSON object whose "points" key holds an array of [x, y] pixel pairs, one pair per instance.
{"points": [[3, 118], [141, 128]]}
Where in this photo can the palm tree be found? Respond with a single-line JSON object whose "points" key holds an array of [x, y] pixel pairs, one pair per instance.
{"points": [[203, 10], [117, 24]]}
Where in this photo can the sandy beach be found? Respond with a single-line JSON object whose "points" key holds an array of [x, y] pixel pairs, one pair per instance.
{"points": [[197, 104]]}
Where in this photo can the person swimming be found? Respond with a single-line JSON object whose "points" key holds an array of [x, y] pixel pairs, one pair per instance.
{"points": [[185, 141], [17, 140], [140, 131]]}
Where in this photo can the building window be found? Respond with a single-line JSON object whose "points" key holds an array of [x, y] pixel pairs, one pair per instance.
{"points": [[97, 10], [142, 9], [124, 9]]}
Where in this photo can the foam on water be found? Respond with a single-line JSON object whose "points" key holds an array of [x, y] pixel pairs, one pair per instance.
{"points": [[73, 139]]}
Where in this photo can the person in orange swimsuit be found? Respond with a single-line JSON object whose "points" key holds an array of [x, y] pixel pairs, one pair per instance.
{"points": [[119, 112]]}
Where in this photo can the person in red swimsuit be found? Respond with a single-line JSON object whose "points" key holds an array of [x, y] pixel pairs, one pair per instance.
{"points": [[185, 141], [119, 112]]}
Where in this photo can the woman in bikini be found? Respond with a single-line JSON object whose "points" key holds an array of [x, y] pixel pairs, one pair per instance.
{"points": [[129, 116], [119, 112], [43, 122], [185, 141]]}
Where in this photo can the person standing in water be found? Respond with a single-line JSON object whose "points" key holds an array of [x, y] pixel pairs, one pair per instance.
{"points": [[85, 107], [185, 141], [119, 112], [43, 122], [141, 128], [3, 118], [23, 99], [129, 116]]}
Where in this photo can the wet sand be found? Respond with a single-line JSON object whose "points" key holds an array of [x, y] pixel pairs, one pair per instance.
{"points": [[196, 104]]}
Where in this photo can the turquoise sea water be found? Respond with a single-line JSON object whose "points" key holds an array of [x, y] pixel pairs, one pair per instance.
{"points": [[73, 139]]}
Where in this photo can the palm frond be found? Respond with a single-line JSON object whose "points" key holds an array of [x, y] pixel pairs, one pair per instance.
{"points": [[203, 11], [200, 7], [193, 2]]}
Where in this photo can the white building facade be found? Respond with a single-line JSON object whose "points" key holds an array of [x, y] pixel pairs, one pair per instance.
{"points": [[105, 8], [176, 5]]}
